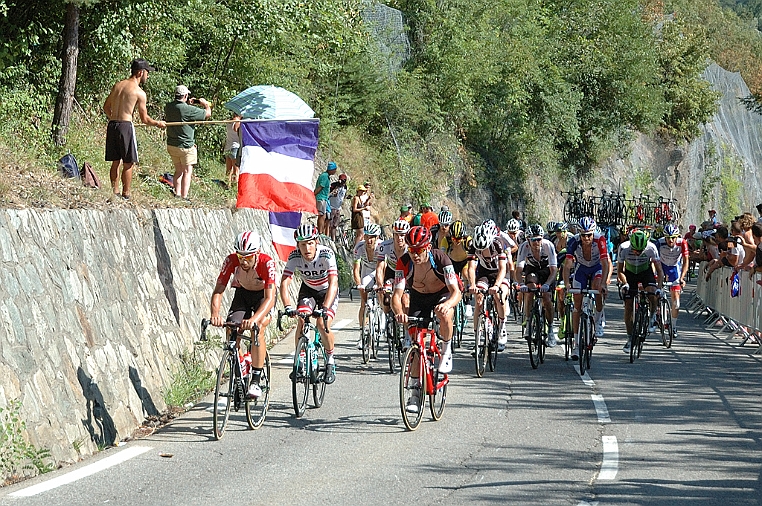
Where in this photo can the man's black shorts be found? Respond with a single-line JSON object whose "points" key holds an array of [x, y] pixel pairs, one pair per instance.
{"points": [[542, 275], [120, 142], [245, 303], [422, 304], [646, 277]]}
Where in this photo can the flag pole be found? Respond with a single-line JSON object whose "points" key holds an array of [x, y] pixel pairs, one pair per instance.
{"points": [[227, 121]]}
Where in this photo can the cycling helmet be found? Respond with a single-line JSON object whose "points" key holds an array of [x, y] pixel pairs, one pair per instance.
{"points": [[372, 230], [457, 230], [247, 243], [401, 227], [513, 225], [551, 226], [445, 218], [483, 237], [586, 225], [561, 226], [418, 237], [639, 240], [306, 232], [490, 227], [535, 230], [671, 230]]}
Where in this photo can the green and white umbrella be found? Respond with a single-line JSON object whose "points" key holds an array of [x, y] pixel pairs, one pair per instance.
{"points": [[269, 102]]}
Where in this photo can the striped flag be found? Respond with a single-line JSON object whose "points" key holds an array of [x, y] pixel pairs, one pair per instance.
{"points": [[277, 164]]}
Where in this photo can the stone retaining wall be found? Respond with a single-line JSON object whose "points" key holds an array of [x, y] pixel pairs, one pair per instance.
{"points": [[96, 308]]}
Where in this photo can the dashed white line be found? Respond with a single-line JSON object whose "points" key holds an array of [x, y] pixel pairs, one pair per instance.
{"points": [[600, 409], [610, 465], [82, 472]]}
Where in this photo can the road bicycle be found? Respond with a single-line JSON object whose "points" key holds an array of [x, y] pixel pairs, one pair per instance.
{"points": [[370, 332], [664, 314], [310, 361], [232, 384], [586, 328], [427, 380], [640, 323], [393, 331], [535, 329], [566, 329], [515, 308], [487, 327], [345, 236], [459, 322]]}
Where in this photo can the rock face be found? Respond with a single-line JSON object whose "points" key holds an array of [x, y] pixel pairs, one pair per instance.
{"points": [[97, 307], [719, 169]]}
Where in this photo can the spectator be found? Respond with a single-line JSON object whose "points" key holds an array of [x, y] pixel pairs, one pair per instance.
{"points": [[358, 206], [232, 145], [745, 222], [121, 145], [756, 264], [428, 216], [322, 193], [730, 252], [335, 200], [370, 199], [516, 214], [759, 211], [713, 217], [181, 139], [690, 233], [405, 213]]}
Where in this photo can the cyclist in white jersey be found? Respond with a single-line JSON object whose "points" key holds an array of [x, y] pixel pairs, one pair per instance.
{"points": [[320, 287], [387, 254], [488, 268], [537, 257], [674, 254], [364, 271], [587, 251], [635, 263]]}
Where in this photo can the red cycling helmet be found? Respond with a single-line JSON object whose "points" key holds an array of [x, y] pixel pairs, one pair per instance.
{"points": [[418, 237]]}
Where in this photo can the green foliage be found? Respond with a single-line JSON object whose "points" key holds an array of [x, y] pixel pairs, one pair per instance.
{"points": [[345, 275], [16, 454], [191, 380]]}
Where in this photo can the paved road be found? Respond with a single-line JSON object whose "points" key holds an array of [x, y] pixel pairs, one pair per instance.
{"points": [[680, 426]]}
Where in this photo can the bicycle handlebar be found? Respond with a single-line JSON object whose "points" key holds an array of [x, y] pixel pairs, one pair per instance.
{"points": [[580, 290], [316, 313], [205, 322]]}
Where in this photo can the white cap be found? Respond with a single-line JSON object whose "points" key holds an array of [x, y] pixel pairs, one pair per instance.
{"points": [[181, 91]]}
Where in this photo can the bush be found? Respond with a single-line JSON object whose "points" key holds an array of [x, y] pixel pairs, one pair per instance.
{"points": [[17, 456]]}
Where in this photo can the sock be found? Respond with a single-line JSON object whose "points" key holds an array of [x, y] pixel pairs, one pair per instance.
{"points": [[256, 375], [598, 317], [446, 348], [330, 356]]}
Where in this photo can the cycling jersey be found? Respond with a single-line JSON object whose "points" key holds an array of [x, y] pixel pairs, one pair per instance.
{"points": [[547, 256], [598, 250], [264, 270], [672, 256], [458, 250], [385, 252], [506, 241], [444, 274], [367, 263], [488, 257], [315, 273], [637, 263]]}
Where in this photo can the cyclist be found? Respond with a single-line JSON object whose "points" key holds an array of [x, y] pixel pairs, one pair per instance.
{"points": [[487, 269], [441, 232], [253, 274], [560, 236], [387, 253], [537, 256], [432, 282], [635, 263], [320, 286], [364, 271], [587, 250], [513, 230], [508, 244], [673, 253]]}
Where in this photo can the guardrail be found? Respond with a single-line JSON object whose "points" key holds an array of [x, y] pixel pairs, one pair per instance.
{"points": [[741, 315]]}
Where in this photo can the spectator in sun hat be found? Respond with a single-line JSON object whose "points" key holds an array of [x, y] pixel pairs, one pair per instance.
{"points": [[322, 192], [405, 213], [713, 217], [359, 203]]}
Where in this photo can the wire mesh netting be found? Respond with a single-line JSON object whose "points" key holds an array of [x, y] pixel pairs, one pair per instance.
{"points": [[387, 27]]}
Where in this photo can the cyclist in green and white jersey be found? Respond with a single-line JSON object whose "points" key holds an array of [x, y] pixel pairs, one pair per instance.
{"points": [[636, 261]]}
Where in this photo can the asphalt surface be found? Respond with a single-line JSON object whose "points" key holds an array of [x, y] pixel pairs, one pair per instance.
{"points": [[679, 426]]}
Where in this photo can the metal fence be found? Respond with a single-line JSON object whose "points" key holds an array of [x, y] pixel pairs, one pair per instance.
{"points": [[741, 315]]}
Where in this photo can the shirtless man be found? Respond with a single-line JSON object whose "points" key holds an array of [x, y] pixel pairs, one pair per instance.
{"points": [[119, 107]]}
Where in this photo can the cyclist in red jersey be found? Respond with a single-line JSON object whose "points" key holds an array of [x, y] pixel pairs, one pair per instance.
{"points": [[253, 274]]}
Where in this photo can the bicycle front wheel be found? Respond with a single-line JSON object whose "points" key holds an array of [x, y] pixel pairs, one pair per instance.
{"points": [[376, 340], [480, 345], [590, 341], [318, 387], [365, 335], [300, 383], [584, 335], [438, 399], [492, 349], [665, 322], [223, 394], [411, 394], [534, 336], [391, 341], [256, 410], [542, 336], [568, 333]]}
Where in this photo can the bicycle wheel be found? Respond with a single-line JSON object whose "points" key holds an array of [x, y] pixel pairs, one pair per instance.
{"points": [[300, 383], [438, 399], [542, 336], [643, 329], [374, 334], [318, 386], [665, 322], [223, 393], [533, 331], [412, 417], [391, 342], [492, 349], [459, 323], [568, 333], [590, 340], [480, 345], [256, 410], [365, 335], [670, 329], [584, 334]]}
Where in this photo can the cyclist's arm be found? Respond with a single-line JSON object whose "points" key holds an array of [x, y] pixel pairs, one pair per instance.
{"points": [[285, 297], [216, 304], [380, 271], [685, 265], [659, 273], [399, 289], [519, 274], [333, 290], [620, 273], [606, 268], [356, 272], [567, 272], [471, 272], [502, 267]]}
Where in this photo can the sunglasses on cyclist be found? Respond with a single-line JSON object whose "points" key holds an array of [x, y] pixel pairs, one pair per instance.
{"points": [[248, 257], [417, 251], [588, 234], [535, 239]]}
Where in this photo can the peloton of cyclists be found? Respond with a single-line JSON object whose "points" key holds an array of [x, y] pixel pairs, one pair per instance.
{"points": [[636, 261], [319, 289], [673, 253], [588, 253], [253, 274]]}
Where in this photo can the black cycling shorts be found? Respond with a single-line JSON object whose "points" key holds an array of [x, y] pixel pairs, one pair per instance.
{"points": [[542, 275], [646, 278], [245, 303], [422, 304]]}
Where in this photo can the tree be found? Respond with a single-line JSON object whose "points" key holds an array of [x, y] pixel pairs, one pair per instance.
{"points": [[68, 82]]}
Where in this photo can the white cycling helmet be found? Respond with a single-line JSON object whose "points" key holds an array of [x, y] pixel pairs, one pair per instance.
{"points": [[445, 218], [247, 243], [513, 225], [401, 227], [306, 232], [483, 237], [372, 230]]}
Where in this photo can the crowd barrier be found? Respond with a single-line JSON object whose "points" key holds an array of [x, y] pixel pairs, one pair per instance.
{"points": [[740, 315]]}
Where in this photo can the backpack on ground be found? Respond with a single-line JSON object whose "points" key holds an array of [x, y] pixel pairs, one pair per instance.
{"points": [[68, 167], [89, 177]]}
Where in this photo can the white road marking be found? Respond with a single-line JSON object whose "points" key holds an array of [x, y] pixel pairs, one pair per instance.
{"points": [[585, 503], [82, 472], [601, 409], [610, 465], [341, 324], [587, 380]]}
